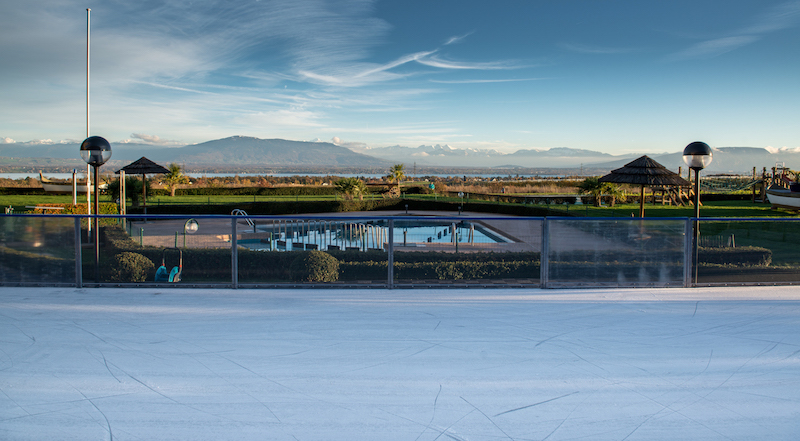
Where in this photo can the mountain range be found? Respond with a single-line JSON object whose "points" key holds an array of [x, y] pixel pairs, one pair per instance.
{"points": [[239, 152]]}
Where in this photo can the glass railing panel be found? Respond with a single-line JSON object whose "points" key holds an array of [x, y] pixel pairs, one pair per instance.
{"points": [[467, 251], [37, 250], [313, 251], [749, 251], [173, 249], [616, 252]]}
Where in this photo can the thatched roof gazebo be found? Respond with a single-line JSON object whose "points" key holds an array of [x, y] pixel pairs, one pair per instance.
{"points": [[143, 166], [645, 172]]}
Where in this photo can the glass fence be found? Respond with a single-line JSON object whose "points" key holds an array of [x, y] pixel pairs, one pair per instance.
{"points": [[396, 251]]}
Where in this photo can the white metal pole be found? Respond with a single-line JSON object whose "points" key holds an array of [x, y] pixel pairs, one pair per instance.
{"points": [[88, 36], [88, 173]]}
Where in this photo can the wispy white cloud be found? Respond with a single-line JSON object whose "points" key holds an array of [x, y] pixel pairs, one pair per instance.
{"points": [[777, 18], [434, 61], [480, 81], [399, 62], [456, 39], [713, 48]]}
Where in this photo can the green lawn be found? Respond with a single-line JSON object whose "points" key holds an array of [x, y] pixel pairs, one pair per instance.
{"points": [[20, 202], [709, 209]]}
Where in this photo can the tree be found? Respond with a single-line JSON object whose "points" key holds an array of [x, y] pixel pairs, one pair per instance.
{"points": [[397, 173], [597, 189], [133, 189], [351, 187], [174, 178]]}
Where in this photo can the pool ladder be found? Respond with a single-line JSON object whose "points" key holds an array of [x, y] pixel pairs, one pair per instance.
{"points": [[240, 212]]}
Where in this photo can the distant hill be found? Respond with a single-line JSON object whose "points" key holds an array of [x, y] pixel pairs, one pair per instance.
{"points": [[448, 156], [246, 153], [240, 150], [227, 152]]}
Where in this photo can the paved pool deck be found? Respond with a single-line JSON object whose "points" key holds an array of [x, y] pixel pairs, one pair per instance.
{"points": [[304, 364]]}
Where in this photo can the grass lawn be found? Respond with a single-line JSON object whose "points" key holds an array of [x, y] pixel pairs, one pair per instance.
{"points": [[19, 202], [708, 209]]}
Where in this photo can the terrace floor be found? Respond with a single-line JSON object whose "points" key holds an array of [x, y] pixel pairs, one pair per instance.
{"points": [[303, 364]]}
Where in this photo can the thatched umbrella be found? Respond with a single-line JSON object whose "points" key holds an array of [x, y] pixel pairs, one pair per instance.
{"points": [[645, 172], [143, 166]]}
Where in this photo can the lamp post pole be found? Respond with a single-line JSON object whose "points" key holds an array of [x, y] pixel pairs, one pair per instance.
{"points": [[95, 150], [697, 156]]}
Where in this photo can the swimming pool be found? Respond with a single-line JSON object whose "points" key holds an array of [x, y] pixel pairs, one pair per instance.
{"points": [[294, 235]]}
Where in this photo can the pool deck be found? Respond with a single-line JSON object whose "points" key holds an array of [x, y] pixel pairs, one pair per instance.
{"points": [[305, 364]]}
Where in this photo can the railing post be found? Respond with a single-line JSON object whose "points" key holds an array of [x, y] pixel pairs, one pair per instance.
{"points": [[390, 253], [78, 257], [544, 260], [234, 255], [688, 255]]}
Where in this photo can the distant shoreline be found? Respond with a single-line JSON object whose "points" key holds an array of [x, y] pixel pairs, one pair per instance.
{"points": [[421, 171]]}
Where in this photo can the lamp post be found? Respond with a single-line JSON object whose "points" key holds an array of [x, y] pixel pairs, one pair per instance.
{"points": [[697, 156], [95, 150], [190, 227]]}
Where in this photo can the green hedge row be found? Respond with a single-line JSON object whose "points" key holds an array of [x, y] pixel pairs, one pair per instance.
{"points": [[274, 208], [23, 266], [305, 190], [339, 206], [105, 208], [614, 272], [741, 256]]}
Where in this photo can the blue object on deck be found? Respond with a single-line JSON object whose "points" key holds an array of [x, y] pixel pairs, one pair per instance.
{"points": [[174, 275]]}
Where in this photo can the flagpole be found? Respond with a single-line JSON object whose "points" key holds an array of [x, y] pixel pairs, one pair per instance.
{"points": [[88, 36], [88, 175]]}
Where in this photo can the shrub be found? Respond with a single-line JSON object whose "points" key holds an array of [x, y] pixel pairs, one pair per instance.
{"points": [[739, 256], [131, 267], [315, 266]]}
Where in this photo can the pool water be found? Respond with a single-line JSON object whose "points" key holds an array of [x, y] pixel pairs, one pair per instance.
{"points": [[321, 234]]}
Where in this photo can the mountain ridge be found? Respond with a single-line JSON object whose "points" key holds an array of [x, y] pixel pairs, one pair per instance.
{"points": [[250, 152]]}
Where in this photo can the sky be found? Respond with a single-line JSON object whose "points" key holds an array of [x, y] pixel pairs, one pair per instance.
{"points": [[622, 76]]}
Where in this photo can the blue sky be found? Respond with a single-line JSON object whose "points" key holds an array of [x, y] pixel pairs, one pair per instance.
{"points": [[614, 76]]}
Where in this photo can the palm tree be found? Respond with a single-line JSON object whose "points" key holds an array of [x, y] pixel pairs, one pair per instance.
{"points": [[174, 178], [594, 187], [614, 192], [351, 187], [397, 173]]}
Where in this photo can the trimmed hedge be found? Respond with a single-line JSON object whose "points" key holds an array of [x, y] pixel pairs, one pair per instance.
{"points": [[105, 208], [739, 256], [315, 266], [131, 267], [372, 265], [23, 266], [304, 190], [338, 206]]}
